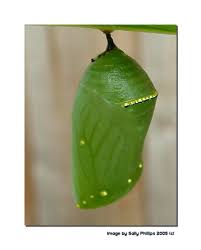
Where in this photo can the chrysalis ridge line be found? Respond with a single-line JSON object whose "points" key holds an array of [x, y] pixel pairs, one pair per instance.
{"points": [[139, 100]]}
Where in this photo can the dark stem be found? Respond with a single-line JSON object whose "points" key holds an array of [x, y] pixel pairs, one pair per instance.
{"points": [[110, 43]]}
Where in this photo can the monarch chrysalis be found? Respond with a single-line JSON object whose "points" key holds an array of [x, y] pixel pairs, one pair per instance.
{"points": [[112, 112]]}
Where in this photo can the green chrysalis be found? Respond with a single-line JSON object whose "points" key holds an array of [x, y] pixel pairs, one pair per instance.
{"points": [[112, 112]]}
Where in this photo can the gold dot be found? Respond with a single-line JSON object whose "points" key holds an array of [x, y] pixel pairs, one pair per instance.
{"points": [[84, 202], [126, 104], [82, 142], [140, 100], [129, 180], [140, 165], [78, 205], [103, 193], [92, 196]]}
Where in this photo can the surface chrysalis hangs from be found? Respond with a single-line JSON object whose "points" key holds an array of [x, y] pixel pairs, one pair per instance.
{"points": [[112, 112]]}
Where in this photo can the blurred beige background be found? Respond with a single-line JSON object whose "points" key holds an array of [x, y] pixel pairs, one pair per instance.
{"points": [[55, 59]]}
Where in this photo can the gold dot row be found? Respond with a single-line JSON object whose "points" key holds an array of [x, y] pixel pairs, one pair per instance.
{"points": [[132, 102]]}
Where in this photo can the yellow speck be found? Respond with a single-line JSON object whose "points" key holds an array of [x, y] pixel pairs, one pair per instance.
{"points": [[139, 99], [129, 180], [84, 202], [92, 196], [82, 142], [103, 193], [78, 205], [126, 104], [140, 165]]}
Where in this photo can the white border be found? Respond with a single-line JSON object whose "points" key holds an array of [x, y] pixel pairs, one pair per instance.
{"points": [[13, 17]]}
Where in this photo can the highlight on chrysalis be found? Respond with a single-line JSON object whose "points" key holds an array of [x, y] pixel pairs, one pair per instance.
{"points": [[112, 112]]}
